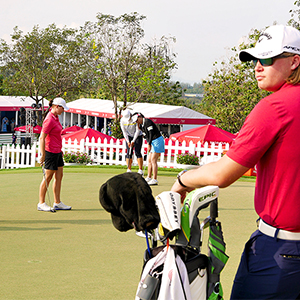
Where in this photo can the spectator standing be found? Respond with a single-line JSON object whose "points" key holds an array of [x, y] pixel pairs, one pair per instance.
{"points": [[156, 145], [12, 125], [5, 123], [14, 139], [134, 139]]}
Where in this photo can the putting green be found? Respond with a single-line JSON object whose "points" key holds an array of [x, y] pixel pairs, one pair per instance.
{"points": [[78, 254]]}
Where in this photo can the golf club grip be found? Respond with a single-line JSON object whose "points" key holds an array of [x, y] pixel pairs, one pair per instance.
{"points": [[214, 209]]}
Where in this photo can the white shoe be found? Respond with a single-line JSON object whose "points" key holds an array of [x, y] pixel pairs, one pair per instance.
{"points": [[140, 172], [148, 179], [43, 207], [128, 170], [61, 206], [153, 182]]}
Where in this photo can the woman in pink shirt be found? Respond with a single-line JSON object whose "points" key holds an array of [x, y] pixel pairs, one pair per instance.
{"points": [[51, 155]]}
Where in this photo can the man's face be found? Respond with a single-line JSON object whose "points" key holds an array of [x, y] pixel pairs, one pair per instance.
{"points": [[272, 78]]}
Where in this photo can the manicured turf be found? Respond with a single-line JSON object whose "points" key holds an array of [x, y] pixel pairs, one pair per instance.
{"points": [[78, 254]]}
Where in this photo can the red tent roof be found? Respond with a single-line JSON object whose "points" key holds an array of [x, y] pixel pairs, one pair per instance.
{"points": [[71, 129], [88, 132], [36, 129], [208, 133]]}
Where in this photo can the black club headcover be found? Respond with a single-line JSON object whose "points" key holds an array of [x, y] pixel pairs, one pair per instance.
{"points": [[129, 199]]}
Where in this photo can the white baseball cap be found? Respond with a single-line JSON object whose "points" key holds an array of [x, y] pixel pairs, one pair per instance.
{"points": [[126, 114], [272, 42], [61, 102]]}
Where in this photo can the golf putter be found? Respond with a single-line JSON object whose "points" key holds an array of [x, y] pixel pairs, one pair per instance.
{"points": [[44, 174]]}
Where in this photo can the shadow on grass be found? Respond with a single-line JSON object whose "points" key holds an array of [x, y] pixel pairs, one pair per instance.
{"points": [[28, 229], [34, 222]]}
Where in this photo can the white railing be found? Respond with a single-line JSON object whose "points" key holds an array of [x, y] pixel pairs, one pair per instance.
{"points": [[112, 153], [5, 138], [18, 156]]}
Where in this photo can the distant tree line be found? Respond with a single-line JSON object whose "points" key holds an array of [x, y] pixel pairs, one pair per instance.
{"points": [[196, 88], [103, 59], [231, 91], [106, 59]]}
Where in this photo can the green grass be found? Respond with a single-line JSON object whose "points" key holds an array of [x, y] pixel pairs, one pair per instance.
{"points": [[78, 254]]}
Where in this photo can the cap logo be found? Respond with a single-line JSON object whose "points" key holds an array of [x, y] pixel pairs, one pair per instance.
{"points": [[266, 53], [291, 48], [264, 34]]}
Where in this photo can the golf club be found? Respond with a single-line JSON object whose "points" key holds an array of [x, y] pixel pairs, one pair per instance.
{"points": [[44, 173]]}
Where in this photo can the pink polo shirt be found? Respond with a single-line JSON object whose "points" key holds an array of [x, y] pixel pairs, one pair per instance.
{"points": [[269, 139], [53, 128]]}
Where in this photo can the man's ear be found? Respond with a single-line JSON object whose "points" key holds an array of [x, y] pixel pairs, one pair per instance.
{"points": [[295, 62]]}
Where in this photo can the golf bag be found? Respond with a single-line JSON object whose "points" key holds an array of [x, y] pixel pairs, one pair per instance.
{"points": [[179, 270]]}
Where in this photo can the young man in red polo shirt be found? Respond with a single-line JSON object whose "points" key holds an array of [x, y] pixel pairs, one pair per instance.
{"points": [[270, 264]]}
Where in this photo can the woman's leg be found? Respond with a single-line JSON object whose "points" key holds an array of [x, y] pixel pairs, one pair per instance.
{"points": [[58, 175], [43, 186], [150, 164], [137, 148], [154, 159], [140, 163], [129, 155]]}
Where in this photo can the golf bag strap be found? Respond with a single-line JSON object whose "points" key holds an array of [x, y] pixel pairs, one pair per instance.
{"points": [[182, 286]]}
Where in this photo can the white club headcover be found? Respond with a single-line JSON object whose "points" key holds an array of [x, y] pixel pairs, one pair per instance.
{"points": [[169, 206]]}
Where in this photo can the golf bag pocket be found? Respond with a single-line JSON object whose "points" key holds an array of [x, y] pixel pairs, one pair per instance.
{"points": [[148, 288], [196, 266], [197, 272], [199, 286]]}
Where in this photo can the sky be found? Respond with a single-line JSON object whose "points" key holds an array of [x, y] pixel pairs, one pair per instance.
{"points": [[204, 30]]}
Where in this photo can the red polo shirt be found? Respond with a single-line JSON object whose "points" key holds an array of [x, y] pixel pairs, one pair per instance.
{"points": [[53, 128], [269, 139]]}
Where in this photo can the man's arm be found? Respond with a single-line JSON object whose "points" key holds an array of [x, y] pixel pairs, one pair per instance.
{"points": [[222, 173]]}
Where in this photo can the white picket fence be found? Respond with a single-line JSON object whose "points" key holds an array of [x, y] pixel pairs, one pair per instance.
{"points": [[18, 156], [111, 153]]}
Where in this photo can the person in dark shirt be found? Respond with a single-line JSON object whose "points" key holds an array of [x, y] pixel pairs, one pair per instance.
{"points": [[14, 139], [156, 145]]}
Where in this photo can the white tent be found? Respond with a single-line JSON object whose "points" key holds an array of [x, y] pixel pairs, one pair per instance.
{"points": [[10, 108], [14, 103], [158, 113]]}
